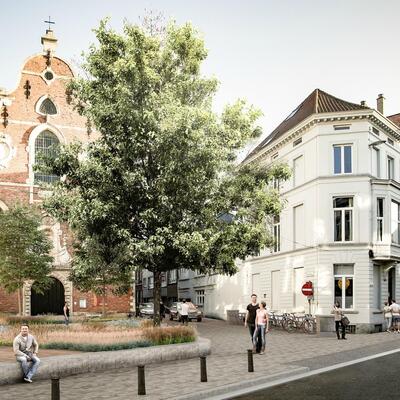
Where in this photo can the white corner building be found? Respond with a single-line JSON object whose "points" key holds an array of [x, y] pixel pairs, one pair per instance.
{"points": [[340, 228]]}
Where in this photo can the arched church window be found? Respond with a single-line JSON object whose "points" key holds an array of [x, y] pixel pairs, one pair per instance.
{"points": [[45, 145], [47, 107]]}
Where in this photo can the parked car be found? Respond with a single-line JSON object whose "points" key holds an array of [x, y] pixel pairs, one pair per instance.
{"points": [[146, 310], [194, 312]]}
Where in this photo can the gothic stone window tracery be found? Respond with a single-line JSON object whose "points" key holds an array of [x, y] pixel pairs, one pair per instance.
{"points": [[47, 107]]}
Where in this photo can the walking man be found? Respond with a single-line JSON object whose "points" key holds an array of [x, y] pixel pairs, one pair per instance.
{"points": [[395, 309], [25, 348], [66, 313], [338, 313], [250, 321], [184, 312]]}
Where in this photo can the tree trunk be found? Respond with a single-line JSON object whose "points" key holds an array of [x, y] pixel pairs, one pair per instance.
{"points": [[103, 308], [157, 298], [19, 290]]}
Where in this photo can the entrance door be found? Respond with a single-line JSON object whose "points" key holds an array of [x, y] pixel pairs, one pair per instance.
{"points": [[392, 284], [50, 302], [275, 290], [300, 301]]}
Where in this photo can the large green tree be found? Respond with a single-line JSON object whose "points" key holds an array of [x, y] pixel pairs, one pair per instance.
{"points": [[24, 251], [163, 170]]}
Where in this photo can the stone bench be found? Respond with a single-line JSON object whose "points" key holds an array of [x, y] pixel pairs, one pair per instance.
{"points": [[62, 366]]}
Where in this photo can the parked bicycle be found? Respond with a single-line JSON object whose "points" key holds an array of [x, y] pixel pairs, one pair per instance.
{"points": [[291, 322]]}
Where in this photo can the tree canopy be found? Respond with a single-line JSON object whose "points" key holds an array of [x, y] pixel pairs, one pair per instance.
{"points": [[24, 250], [155, 183]]}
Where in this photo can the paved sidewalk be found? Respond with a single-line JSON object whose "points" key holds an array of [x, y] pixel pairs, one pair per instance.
{"points": [[287, 353]]}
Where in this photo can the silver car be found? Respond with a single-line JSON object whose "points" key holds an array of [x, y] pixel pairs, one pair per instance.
{"points": [[194, 312], [146, 310]]}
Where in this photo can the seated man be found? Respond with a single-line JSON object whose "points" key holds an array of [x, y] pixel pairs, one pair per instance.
{"points": [[25, 348]]}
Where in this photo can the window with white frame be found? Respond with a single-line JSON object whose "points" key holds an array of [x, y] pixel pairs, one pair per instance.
{"points": [[344, 285], [172, 276], [277, 233], [379, 219], [342, 159], [183, 273], [200, 297], [376, 162], [299, 237], [395, 222], [151, 282], [343, 219], [298, 171], [82, 303], [145, 282], [390, 167], [164, 279]]}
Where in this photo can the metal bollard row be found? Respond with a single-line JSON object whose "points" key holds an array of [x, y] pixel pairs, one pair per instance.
{"points": [[55, 388], [250, 363], [55, 381]]}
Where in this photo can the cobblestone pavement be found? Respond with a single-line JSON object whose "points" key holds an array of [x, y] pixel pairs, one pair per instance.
{"points": [[227, 365]]}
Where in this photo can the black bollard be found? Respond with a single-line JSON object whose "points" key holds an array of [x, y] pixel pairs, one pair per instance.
{"points": [[250, 366], [203, 369], [55, 388], [141, 381]]}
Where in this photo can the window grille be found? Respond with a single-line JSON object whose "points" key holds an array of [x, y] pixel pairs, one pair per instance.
{"points": [[47, 107], [44, 145]]}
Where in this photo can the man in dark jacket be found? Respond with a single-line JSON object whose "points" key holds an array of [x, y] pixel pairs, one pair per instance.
{"points": [[250, 320]]}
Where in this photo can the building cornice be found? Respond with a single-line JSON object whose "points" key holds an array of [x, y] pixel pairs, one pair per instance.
{"points": [[369, 114]]}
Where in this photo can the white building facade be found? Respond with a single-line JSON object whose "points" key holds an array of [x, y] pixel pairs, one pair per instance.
{"points": [[340, 227]]}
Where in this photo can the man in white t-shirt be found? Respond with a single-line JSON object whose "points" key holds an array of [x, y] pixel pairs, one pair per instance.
{"points": [[395, 308], [184, 312]]}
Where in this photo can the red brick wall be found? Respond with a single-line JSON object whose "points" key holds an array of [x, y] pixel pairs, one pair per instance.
{"points": [[94, 302], [8, 302]]}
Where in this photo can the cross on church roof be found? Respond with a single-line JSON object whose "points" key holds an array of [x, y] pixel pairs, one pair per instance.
{"points": [[49, 22]]}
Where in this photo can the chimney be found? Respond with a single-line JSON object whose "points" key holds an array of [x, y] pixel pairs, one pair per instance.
{"points": [[379, 103], [49, 42], [363, 103]]}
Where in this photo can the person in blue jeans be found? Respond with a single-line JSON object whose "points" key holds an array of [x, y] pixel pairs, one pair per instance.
{"points": [[25, 348], [262, 326]]}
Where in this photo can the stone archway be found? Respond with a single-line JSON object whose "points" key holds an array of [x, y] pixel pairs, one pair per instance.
{"points": [[51, 301], [60, 275]]}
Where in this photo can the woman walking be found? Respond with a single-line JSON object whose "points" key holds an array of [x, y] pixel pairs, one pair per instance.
{"points": [[262, 326], [338, 313]]}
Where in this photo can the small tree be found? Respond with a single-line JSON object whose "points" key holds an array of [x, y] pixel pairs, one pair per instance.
{"points": [[163, 171], [24, 251], [98, 266]]}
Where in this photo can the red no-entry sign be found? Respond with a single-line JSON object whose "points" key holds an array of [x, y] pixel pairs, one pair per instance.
{"points": [[307, 289]]}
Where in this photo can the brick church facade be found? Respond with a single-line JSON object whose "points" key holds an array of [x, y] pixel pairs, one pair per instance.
{"points": [[33, 117]]}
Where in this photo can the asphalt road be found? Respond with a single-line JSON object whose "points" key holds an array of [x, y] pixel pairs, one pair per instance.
{"points": [[377, 379]]}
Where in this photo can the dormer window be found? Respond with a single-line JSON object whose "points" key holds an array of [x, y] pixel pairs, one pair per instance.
{"points": [[46, 106]]}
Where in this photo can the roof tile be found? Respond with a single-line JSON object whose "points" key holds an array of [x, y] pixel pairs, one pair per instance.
{"points": [[318, 102]]}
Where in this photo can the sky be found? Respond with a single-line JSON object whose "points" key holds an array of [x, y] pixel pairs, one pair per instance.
{"points": [[271, 53]]}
